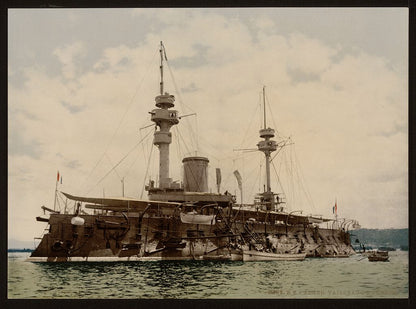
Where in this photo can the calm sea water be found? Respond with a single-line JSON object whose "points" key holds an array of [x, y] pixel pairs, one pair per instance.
{"points": [[353, 277]]}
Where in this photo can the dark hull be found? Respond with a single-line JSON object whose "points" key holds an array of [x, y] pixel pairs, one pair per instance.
{"points": [[378, 258], [152, 237]]}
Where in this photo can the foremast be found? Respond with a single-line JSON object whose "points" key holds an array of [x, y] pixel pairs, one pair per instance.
{"points": [[164, 118], [267, 146], [195, 168]]}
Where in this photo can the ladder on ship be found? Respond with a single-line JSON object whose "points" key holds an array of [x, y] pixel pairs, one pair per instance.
{"points": [[253, 235], [222, 223]]}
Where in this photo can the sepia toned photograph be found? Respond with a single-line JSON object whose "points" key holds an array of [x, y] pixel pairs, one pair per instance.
{"points": [[208, 153]]}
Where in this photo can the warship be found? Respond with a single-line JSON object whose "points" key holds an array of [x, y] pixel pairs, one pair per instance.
{"points": [[183, 220]]}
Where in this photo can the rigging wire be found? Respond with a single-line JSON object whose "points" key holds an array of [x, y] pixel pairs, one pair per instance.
{"points": [[260, 169], [139, 85], [144, 152], [249, 126], [178, 148], [271, 112], [303, 182], [111, 163], [135, 160], [295, 176], [226, 181], [234, 159], [118, 163], [192, 134], [281, 147], [207, 142], [253, 186], [290, 178], [147, 170], [278, 179], [284, 170], [184, 143]]}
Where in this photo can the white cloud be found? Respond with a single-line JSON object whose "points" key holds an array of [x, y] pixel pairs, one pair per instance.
{"points": [[67, 55], [309, 55]]}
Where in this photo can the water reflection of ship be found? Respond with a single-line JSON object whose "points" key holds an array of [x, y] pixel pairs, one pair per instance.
{"points": [[184, 220]]}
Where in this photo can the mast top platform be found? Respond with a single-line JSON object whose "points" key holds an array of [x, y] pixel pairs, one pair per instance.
{"points": [[165, 101], [267, 133]]}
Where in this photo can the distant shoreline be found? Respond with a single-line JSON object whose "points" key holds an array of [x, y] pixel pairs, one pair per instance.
{"points": [[19, 250]]}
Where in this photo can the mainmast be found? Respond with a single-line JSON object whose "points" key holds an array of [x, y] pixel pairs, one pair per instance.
{"points": [[267, 146], [162, 53], [164, 118]]}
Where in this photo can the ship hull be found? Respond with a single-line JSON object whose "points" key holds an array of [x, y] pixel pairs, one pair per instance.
{"points": [[131, 237]]}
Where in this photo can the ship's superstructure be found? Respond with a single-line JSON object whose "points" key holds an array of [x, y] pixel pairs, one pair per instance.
{"points": [[182, 220], [267, 146], [164, 118]]}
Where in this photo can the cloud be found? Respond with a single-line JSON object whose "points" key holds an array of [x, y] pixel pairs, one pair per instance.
{"points": [[72, 108], [190, 88], [299, 76], [68, 55], [18, 145], [194, 61], [395, 129], [73, 164]]}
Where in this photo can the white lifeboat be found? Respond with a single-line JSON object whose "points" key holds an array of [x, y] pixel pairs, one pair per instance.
{"points": [[77, 221], [195, 218]]}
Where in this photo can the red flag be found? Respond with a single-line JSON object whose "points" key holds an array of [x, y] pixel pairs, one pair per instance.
{"points": [[335, 207], [57, 177]]}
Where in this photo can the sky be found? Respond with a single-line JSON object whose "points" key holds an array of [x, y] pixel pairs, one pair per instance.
{"points": [[82, 81]]}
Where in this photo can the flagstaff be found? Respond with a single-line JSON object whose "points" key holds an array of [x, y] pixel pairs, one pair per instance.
{"points": [[56, 191]]}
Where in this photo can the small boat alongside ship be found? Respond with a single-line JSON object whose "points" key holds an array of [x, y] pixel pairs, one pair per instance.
{"points": [[183, 220], [254, 255]]}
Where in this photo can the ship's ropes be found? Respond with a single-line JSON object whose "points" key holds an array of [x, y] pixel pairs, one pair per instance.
{"points": [[223, 223], [59, 199], [255, 179], [295, 183], [271, 113], [302, 180], [139, 85], [278, 179], [252, 176], [178, 133], [252, 234], [246, 148], [119, 162], [147, 169], [192, 133], [248, 129]]}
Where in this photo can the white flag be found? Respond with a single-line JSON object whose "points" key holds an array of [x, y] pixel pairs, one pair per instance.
{"points": [[239, 180]]}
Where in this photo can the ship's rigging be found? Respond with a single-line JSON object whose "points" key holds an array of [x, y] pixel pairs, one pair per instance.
{"points": [[278, 162]]}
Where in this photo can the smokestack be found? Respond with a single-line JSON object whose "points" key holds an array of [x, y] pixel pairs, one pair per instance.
{"points": [[195, 174]]}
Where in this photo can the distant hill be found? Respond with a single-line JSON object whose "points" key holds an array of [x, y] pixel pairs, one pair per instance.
{"points": [[375, 238], [19, 250], [18, 244]]}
